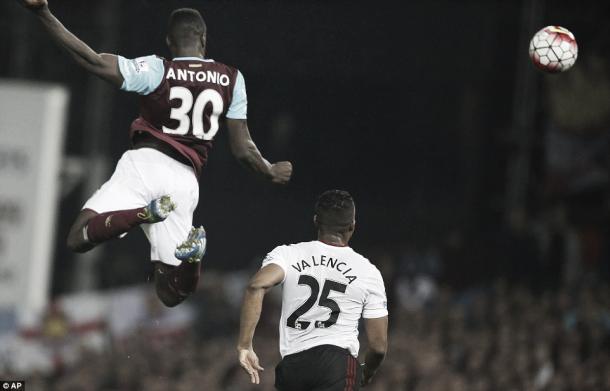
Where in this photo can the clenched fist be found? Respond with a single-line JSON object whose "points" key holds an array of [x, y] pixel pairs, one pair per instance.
{"points": [[34, 5], [281, 172]]}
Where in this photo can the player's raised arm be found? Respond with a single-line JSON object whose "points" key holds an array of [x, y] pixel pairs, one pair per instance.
{"points": [[103, 65], [263, 280], [377, 335], [245, 150]]}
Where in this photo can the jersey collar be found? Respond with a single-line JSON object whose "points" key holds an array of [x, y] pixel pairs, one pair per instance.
{"points": [[333, 245], [192, 58]]}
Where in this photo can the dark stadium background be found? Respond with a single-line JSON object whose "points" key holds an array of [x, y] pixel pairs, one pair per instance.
{"points": [[409, 108], [415, 107]]}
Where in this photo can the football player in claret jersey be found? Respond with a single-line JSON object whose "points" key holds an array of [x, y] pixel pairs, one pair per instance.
{"points": [[326, 288], [155, 184]]}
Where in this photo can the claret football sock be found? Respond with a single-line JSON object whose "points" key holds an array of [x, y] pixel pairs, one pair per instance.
{"points": [[113, 224], [186, 276], [109, 225]]}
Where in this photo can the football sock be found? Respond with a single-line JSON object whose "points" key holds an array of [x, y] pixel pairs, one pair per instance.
{"points": [[186, 276], [106, 226]]}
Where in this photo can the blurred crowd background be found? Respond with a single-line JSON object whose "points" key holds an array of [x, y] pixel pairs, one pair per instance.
{"points": [[482, 191]]}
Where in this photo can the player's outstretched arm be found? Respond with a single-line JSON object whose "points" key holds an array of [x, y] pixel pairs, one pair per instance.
{"points": [[103, 65], [246, 152], [377, 335], [262, 281]]}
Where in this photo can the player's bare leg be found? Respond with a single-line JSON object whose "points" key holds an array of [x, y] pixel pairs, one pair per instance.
{"points": [[91, 228], [175, 283]]}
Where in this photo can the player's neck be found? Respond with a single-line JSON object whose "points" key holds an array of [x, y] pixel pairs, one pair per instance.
{"points": [[188, 52], [333, 239]]}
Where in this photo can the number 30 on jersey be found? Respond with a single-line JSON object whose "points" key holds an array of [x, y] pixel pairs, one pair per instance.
{"points": [[181, 113]]}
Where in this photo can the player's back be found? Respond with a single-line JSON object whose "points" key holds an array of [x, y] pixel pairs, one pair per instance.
{"points": [[190, 99], [326, 290], [182, 101]]}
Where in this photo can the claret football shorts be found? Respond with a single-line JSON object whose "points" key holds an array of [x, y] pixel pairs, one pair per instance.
{"points": [[142, 175]]}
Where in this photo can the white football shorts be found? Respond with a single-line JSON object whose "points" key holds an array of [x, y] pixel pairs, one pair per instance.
{"points": [[142, 175]]}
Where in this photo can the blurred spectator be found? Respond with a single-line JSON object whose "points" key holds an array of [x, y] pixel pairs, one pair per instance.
{"points": [[499, 338]]}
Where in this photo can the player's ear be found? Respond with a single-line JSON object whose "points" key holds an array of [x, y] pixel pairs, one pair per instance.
{"points": [[203, 40], [315, 220], [352, 226], [168, 42]]}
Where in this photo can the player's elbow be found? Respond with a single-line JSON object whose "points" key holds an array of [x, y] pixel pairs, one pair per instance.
{"points": [[104, 66], [255, 287], [379, 345]]}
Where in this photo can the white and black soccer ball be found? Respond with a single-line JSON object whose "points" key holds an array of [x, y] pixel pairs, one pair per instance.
{"points": [[553, 49]]}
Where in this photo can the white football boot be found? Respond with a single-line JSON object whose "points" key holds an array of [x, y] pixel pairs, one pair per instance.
{"points": [[158, 210], [193, 248]]}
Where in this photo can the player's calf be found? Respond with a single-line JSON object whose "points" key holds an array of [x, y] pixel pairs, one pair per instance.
{"points": [[173, 284], [91, 228]]}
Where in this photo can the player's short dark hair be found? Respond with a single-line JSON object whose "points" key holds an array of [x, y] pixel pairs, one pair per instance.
{"points": [[335, 210], [186, 25]]}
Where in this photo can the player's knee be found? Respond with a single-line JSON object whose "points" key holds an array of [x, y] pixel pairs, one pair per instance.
{"points": [[76, 241], [76, 244]]}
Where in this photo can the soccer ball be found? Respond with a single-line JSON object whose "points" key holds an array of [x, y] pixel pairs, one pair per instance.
{"points": [[553, 49]]}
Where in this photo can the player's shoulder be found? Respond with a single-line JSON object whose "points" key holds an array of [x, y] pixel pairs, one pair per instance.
{"points": [[142, 63], [230, 68], [294, 246], [150, 58], [281, 250], [366, 263], [220, 66]]}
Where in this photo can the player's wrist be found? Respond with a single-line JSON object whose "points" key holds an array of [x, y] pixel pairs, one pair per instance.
{"points": [[241, 347], [42, 11]]}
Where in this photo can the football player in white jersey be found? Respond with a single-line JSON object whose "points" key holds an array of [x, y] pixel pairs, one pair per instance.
{"points": [[327, 288]]}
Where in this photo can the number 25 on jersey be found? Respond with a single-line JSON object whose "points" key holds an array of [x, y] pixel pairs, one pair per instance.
{"points": [[181, 113], [324, 301]]}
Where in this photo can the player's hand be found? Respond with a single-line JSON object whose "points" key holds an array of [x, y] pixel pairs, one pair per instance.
{"points": [[34, 5], [281, 172], [249, 362]]}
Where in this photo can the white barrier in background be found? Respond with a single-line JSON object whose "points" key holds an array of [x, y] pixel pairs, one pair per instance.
{"points": [[32, 122], [90, 321]]}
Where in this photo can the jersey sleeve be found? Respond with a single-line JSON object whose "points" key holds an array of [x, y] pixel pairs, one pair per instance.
{"points": [[376, 303], [142, 75], [278, 257], [239, 105]]}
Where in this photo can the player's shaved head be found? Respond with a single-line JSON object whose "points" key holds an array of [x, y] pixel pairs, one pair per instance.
{"points": [[335, 211], [186, 28]]}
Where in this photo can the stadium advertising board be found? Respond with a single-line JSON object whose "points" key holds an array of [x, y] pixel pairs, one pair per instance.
{"points": [[32, 120]]}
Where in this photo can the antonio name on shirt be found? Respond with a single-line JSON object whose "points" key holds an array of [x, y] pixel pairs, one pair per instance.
{"points": [[325, 261], [200, 76]]}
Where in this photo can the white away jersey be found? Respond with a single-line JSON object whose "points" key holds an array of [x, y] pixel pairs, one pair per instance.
{"points": [[326, 290]]}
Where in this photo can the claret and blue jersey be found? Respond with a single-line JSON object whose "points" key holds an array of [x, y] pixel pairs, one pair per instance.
{"points": [[183, 100]]}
